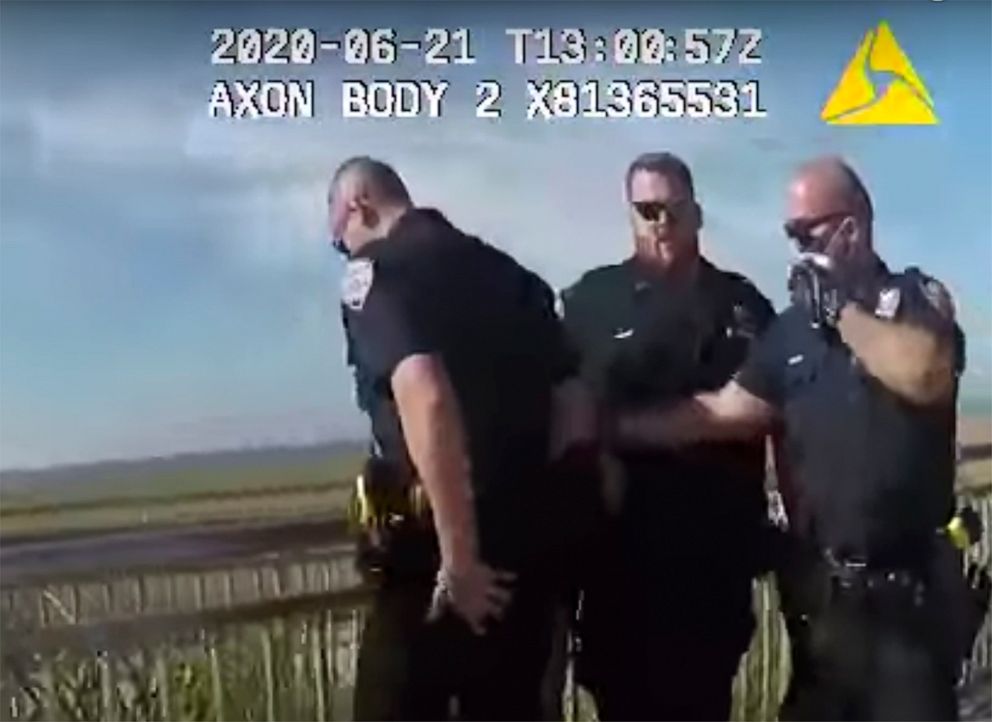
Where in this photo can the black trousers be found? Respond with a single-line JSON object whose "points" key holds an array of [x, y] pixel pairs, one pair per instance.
{"points": [[667, 676], [663, 649], [409, 669], [878, 654]]}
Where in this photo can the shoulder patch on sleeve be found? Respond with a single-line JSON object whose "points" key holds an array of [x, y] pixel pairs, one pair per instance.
{"points": [[888, 302], [357, 283], [939, 297], [745, 323], [752, 312]]}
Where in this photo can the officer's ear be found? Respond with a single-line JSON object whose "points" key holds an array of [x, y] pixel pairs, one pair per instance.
{"points": [[698, 210], [849, 229], [368, 213]]}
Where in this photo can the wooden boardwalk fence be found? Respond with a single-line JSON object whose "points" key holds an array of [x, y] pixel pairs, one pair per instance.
{"points": [[264, 638]]}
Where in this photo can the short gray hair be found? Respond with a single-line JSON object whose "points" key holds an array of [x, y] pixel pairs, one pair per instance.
{"points": [[383, 179], [665, 164]]}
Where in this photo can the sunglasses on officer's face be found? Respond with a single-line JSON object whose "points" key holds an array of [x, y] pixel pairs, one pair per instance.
{"points": [[652, 210], [800, 230]]}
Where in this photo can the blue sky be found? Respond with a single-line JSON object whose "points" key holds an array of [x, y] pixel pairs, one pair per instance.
{"points": [[165, 281]]}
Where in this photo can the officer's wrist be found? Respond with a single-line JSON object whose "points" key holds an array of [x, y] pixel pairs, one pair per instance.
{"points": [[847, 311]]}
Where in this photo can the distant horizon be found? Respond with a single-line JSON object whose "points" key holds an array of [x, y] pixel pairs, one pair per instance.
{"points": [[167, 284], [968, 410], [287, 446]]}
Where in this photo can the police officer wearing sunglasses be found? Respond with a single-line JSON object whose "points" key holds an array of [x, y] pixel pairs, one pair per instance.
{"points": [[862, 369], [667, 614], [458, 355]]}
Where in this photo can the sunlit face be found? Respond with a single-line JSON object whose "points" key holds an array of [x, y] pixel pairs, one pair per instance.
{"points": [[664, 217], [820, 219]]}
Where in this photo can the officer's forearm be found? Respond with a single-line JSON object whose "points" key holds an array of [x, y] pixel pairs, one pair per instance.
{"points": [[911, 362], [729, 414], [433, 431], [697, 419], [573, 417], [666, 426]]}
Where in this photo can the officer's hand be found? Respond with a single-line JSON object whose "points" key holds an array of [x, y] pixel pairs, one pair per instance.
{"points": [[475, 593], [819, 285]]}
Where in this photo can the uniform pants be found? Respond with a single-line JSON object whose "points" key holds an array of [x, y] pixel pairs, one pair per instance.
{"points": [[668, 677], [873, 655], [647, 655], [409, 669]]}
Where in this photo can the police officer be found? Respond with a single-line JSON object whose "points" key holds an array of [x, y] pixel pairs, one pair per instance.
{"points": [[457, 350], [667, 615], [862, 369]]}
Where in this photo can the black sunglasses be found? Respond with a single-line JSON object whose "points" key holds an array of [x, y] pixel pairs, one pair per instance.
{"points": [[800, 229], [652, 210]]}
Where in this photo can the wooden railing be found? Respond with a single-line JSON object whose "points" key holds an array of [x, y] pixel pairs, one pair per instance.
{"points": [[266, 637]]}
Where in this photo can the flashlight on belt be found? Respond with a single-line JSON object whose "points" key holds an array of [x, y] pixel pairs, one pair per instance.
{"points": [[965, 529]]}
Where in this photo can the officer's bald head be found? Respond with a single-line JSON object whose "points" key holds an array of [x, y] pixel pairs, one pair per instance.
{"points": [[365, 197], [828, 185], [830, 210]]}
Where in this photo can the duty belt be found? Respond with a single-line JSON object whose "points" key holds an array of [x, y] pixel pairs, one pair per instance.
{"points": [[963, 530], [857, 574], [377, 506]]}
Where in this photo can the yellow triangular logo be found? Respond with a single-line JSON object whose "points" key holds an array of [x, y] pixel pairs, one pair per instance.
{"points": [[879, 87]]}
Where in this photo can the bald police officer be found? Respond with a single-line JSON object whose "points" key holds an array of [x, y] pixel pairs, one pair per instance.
{"points": [[666, 614], [862, 369], [457, 352]]}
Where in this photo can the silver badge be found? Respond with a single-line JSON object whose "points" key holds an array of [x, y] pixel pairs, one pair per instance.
{"points": [[888, 303], [356, 283]]}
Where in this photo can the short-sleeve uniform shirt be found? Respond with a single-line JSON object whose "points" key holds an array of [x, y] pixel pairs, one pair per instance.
{"points": [[874, 473], [430, 289]]}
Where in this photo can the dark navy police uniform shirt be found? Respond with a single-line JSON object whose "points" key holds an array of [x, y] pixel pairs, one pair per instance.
{"points": [[874, 474], [431, 289], [644, 341]]}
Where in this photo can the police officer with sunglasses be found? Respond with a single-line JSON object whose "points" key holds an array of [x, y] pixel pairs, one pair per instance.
{"points": [[666, 608], [459, 360], [862, 369]]}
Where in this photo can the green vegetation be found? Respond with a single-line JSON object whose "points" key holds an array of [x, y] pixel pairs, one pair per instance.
{"points": [[190, 496], [174, 484], [294, 667]]}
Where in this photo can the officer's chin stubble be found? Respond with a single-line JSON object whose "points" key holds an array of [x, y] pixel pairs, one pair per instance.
{"points": [[660, 247]]}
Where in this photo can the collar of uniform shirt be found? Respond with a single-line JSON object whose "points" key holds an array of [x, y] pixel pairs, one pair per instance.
{"points": [[645, 275], [419, 223]]}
